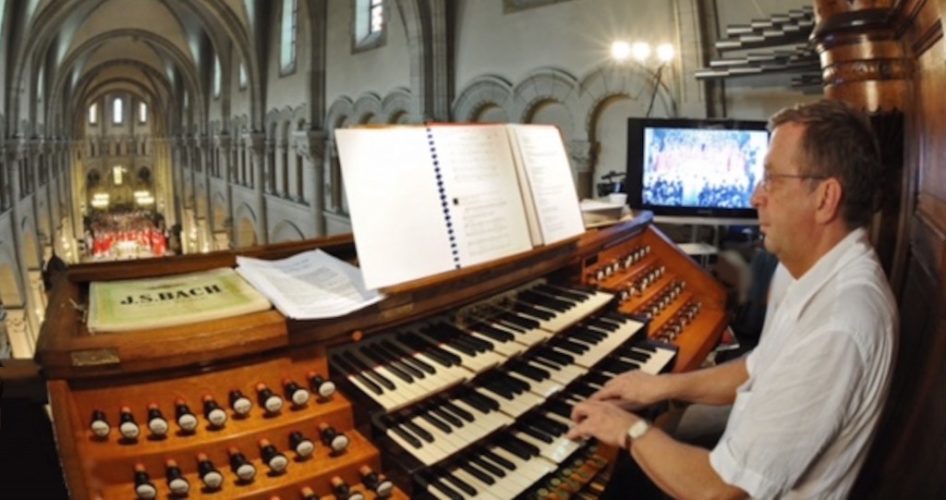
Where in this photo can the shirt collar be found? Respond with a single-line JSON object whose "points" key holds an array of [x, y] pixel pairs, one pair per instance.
{"points": [[800, 291]]}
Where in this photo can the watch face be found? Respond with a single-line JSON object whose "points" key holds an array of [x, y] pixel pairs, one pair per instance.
{"points": [[637, 430]]}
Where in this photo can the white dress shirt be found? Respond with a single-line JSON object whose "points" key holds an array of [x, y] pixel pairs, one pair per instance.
{"points": [[802, 424]]}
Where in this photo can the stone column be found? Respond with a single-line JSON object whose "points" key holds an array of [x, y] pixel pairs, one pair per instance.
{"points": [[310, 145], [582, 156], [257, 145]]}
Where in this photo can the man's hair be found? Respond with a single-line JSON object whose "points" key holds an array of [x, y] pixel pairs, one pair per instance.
{"points": [[838, 142]]}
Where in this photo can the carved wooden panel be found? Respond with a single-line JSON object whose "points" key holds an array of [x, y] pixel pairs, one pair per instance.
{"points": [[907, 460]]}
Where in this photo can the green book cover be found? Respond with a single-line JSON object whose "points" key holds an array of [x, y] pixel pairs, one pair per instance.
{"points": [[116, 306]]}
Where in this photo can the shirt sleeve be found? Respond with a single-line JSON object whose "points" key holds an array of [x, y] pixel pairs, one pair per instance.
{"points": [[781, 424]]}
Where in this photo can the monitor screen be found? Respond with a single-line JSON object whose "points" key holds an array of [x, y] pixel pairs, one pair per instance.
{"points": [[695, 167]]}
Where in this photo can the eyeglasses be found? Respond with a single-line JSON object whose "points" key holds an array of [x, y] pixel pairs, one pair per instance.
{"points": [[768, 177]]}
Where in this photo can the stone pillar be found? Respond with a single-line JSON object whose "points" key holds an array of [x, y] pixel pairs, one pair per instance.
{"points": [[257, 145], [582, 156], [310, 144]]}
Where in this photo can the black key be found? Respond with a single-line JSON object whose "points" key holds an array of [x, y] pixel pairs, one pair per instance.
{"points": [[454, 421], [437, 484], [349, 370], [645, 347], [535, 312], [545, 362], [555, 356], [473, 471], [527, 371], [480, 344], [434, 421], [498, 389], [596, 378], [510, 325], [536, 433], [632, 351], [475, 403], [378, 358], [589, 334], [619, 366], [499, 460], [492, 332], [569, 345], [460, 412], [419, 431], [452, 479], [438, 356], [367, 371], [484, 400], [545, 301], [520, 321], [530, 448], [560, 408], [395, 428], [613, 317], [583, 390], [407, 357], [506, 443], [486, 466], [401, 362], [553, 427], [561, 292], [442, 337]]}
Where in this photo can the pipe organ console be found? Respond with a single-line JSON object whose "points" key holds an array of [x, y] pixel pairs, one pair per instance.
{"points": [[455, 386]]}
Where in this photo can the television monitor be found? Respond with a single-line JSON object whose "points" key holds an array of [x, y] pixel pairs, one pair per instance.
{"points": [[695, 168]]}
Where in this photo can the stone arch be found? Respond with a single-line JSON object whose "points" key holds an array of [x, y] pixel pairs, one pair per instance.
{"points": [[607, 82], [368, 108], [542, 86], [339, 113], [286, 231], [219, 212], [396, 105], [484, 91], [11, 293], [246, 227]]}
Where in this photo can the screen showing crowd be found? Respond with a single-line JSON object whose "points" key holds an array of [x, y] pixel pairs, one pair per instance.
{"points": [[702, 167]]}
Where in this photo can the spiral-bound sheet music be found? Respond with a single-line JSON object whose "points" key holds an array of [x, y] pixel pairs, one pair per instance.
{"points": [[426, 200]]}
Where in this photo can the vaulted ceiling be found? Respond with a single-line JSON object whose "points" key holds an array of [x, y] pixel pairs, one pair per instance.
{"points": [[157, 50]]}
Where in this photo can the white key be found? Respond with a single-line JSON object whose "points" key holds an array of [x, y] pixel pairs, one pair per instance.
{"points": [[557, 451], [423, 454]]}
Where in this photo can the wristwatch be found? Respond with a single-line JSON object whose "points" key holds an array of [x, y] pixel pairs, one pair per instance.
{"points": [[635, 431]]}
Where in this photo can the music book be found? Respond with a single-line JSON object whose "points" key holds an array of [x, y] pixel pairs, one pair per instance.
{"points": [[124, 305], [429, 199], [309, 285]]}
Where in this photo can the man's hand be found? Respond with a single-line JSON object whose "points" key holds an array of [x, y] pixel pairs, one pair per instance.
{"points": [[632, 390], [603, 421]]}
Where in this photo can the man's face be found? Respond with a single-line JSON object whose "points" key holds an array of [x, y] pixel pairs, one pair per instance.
{"points": [[785, 199]]}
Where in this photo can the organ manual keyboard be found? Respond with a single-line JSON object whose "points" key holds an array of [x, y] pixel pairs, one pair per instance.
{"points": [[455, 386]]}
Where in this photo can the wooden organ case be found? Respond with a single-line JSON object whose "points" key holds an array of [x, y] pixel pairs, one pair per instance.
{"points": [[244, 408]]}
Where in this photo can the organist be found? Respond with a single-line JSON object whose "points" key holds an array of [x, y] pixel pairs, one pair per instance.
{"points": [[807, 400]]}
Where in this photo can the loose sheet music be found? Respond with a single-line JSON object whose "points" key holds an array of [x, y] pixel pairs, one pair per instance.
{"points": [[309, 285]]}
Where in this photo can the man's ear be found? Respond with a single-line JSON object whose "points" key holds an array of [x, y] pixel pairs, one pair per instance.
{"points": [[830, 194]]}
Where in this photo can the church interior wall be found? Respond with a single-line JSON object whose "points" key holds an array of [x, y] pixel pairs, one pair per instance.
{"points": [[287, 88], [380, 70]]}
